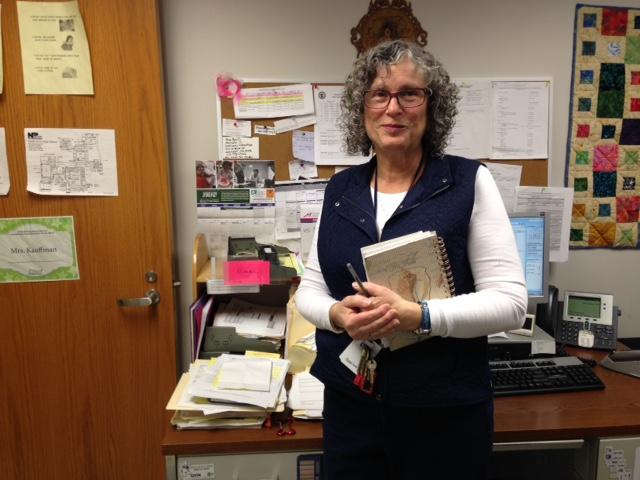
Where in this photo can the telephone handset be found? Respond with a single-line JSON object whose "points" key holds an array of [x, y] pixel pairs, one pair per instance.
{"points": [[547, 313], [589, 320]]}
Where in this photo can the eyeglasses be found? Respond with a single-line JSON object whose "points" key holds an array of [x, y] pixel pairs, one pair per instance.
{"points": [[409, 98]]}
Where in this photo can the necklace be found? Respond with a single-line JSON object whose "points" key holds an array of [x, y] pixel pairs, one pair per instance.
{"points": [[375, 186]]}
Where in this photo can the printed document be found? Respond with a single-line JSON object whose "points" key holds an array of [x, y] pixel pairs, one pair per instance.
{"points": [[252, 320], [55, 50], [557, 203], [302, 145], [306, 396], [290, 197], [302, 170], [272, 102], [470, 134], [71, 161], [328, 135], [507, 178], [291, 123], [520, 120], [309, 217]]}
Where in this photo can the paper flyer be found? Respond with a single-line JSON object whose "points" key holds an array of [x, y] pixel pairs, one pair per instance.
{"points": [[55, 50], [71, 161]]}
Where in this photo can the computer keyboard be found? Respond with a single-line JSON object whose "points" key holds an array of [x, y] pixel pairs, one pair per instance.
{"points": [[543, 375]]}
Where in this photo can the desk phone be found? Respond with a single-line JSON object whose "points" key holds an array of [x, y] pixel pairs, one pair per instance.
{"points": [[589, 320]]}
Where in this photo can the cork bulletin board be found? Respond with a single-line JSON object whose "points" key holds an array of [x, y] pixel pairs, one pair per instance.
{"points": [[279, 147], [272, 147]]}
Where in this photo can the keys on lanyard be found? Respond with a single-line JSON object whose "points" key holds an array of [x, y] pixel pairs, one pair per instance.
{"points": [[366, 376]]}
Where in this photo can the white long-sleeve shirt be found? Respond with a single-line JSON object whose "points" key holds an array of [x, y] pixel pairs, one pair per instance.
{"points": [[500, 300]]}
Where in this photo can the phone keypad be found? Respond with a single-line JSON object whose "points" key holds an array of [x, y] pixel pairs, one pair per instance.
{"points": [[568, 333]]}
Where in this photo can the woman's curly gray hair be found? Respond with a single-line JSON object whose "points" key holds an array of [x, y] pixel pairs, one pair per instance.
{"points": [[441, 109]]}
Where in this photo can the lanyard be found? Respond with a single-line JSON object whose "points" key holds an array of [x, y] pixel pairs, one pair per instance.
{"points": [[375, 187]]}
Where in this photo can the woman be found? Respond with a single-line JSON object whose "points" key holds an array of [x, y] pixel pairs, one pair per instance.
{"points": [[203, 178], [430, 414], [225, 174]]}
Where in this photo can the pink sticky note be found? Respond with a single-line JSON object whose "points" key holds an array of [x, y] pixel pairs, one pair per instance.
{"points": [[247, 272]]}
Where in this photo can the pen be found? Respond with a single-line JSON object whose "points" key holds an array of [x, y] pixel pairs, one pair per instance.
{"points": [[355, 276]]}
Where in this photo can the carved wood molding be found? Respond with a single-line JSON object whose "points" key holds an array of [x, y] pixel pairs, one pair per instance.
{"points": [[387, 20]]}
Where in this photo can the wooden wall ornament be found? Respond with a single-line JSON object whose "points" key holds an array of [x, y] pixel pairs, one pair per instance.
{"points": [[387, 20]]}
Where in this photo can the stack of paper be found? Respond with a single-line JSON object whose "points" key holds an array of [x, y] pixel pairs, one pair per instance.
{"points": [[306, 397], [206, 380], [232, 391], [251, 320]]}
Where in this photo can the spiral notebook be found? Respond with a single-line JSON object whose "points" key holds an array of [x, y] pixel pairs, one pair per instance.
{"points": [[415, 266]]}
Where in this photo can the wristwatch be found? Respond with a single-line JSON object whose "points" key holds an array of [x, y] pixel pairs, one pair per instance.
{"points": [[425, 324]]}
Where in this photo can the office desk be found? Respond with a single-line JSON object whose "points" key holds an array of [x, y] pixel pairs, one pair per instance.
{"points": [[531, 422]]}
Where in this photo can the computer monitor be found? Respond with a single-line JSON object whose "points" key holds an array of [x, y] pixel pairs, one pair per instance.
{"points": [[532, 238]]}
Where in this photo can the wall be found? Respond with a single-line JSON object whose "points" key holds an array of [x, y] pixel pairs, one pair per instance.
{"points": [[305, 40]]}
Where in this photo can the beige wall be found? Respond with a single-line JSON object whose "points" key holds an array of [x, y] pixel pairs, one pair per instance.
{"points": [[310, 40]]}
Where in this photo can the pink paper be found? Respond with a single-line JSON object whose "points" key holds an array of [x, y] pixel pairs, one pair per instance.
{"points": [[247, 272]]}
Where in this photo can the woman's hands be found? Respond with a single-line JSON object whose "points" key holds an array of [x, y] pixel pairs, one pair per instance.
{"points": [[370, 318]]}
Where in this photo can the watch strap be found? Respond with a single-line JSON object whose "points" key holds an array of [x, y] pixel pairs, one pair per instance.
{"points": [[425, 322]]}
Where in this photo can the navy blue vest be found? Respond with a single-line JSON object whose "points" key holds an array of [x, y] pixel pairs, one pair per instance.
{"points": [[439, 371]]}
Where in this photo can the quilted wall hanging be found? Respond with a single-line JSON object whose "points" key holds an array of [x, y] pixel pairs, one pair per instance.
{"points": [[603, 148]]}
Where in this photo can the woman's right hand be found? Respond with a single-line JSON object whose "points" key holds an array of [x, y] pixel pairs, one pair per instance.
{"points": [[361, 320]]}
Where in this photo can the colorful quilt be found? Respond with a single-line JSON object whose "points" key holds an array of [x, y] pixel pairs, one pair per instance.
{"points": [[603, 149]]}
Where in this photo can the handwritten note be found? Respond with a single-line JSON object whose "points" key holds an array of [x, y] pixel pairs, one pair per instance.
{"points": [[240, 147], [247, 272]]}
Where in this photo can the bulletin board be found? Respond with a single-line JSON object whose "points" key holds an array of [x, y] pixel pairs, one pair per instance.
{"points": [[279, 147], [272, 147]]}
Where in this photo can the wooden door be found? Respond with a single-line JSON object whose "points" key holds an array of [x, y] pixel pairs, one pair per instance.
{"points": [[83, 381]]}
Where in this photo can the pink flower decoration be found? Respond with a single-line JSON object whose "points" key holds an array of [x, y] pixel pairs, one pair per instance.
{"points": [[228, 87]]}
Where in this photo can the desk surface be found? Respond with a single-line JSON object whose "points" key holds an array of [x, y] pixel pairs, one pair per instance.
{"points": [[614, 411]]}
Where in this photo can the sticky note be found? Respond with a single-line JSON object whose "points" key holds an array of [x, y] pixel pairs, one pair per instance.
{"points": [[247, 272]]}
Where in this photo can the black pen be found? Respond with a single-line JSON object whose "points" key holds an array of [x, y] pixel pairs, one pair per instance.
{"points": [[355, 276]]}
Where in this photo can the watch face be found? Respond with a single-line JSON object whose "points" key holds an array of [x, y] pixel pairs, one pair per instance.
{"points": [[422, 331]]}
